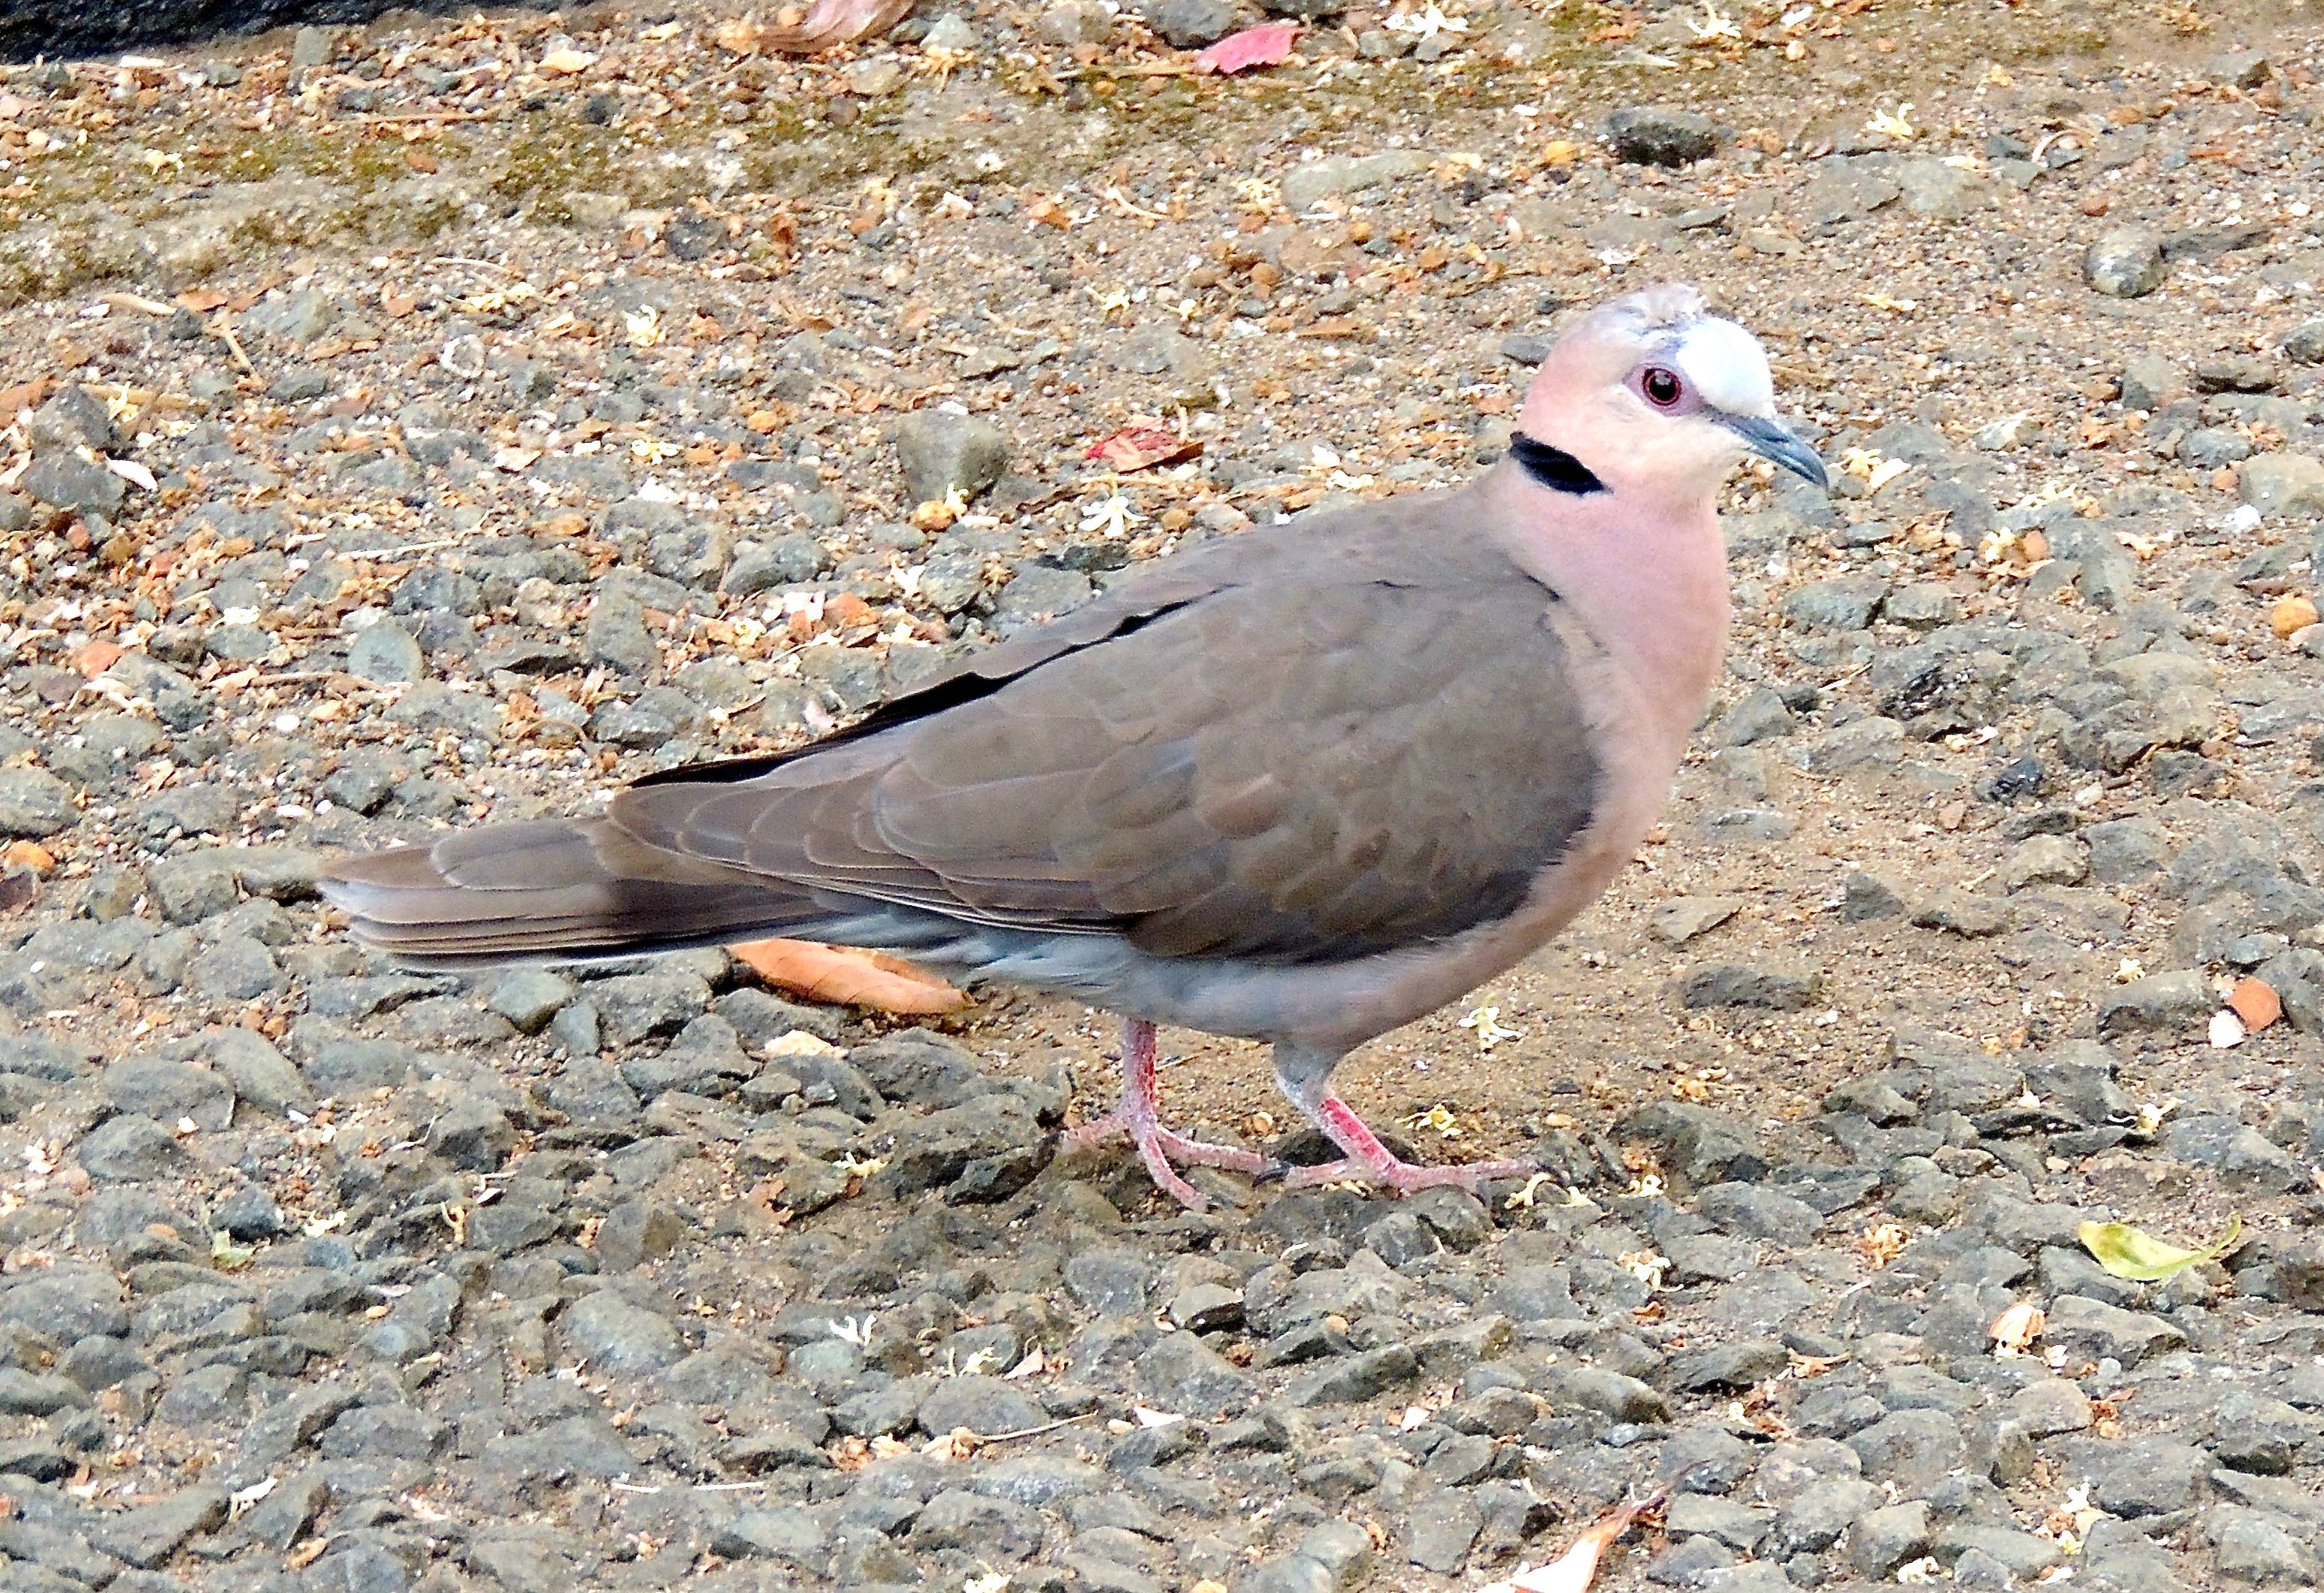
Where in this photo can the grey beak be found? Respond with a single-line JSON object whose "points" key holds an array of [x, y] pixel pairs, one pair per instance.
{"points": [[1773, 440]]}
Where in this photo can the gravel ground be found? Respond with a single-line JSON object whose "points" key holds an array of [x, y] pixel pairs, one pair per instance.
{"points": [[448, 420]]}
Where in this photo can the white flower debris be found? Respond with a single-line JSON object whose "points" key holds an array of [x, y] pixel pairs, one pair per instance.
{"points": [[1486, 1023], [1111, 517]]}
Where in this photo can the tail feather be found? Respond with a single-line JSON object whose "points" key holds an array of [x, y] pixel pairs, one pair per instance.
{"points": [[507, 892]]}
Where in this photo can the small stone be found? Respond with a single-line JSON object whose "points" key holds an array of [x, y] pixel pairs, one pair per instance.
{"points": [[385, 652], [2124, 264], [1762, 716], [941, 452], [67, 481], [1189, 25], [2150, 1476], [2304, 344], [527, 998], [2051, 1407], [2149, 382], [618, 1338], [636, 1231], [1734, 984], [1882, 1539], [1661, 136], [1311, 182], [1845, 603], [1182, 1374], [2176, 1003], [34, 803], [2260, 1550], [951, 32], [1350, 1379], [2282, 483], [1865, 897], [2045, 860], [1683, 918], [985, 1405], [2098, 1329]]}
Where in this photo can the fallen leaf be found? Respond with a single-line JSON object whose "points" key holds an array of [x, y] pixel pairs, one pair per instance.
{"points": [[2255, 1001], [200, 300], [2015, 1330], [2130, 1253], [1266, 45], [828, 22], [844, 975], [1137, 447], [1571, 1572]]}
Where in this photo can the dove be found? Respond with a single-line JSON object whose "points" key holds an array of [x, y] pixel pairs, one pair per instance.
{"points": [[1301, 785]]}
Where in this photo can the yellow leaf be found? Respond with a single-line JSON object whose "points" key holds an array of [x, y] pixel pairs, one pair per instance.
{"points": [[2130, 1253]]}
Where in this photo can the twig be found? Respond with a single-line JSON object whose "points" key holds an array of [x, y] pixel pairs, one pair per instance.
{"points": [[388, 118], [464, 260], [1002, 1438], [436, 546], [224, 327], [136, 303]]}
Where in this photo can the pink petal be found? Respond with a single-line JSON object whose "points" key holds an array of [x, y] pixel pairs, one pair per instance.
{"points": [[1266, 45]]}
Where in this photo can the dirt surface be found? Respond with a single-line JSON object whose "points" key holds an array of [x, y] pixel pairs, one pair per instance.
{"points": [[448, 421]]}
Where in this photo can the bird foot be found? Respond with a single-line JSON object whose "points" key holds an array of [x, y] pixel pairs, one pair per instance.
{"points": [[1159, 1147], [1406, 1177]]}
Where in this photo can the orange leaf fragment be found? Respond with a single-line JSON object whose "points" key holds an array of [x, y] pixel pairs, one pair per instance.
{"points": [[29, 855], [2255, 1001], [23, 395], [92, 659], [855, 978], [200, 300]]}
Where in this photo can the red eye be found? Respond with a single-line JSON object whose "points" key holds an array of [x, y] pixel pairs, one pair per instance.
{"points": [[1662, 386]]}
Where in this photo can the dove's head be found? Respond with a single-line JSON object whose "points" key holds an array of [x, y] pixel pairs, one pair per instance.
{"points": [[1653, 393]]}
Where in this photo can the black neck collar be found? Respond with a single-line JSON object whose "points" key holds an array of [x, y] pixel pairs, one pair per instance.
{"points": [[1553, 467]]}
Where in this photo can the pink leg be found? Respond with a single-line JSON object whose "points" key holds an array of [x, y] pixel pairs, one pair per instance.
{"points": [[1369, 1162], [1139, 1116]]}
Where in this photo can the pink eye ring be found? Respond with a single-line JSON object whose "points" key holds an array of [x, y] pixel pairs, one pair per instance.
{"points": [[1660, 386]]}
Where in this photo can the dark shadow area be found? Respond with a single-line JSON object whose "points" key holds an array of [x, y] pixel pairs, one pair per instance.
{"points": [[69, 28]]}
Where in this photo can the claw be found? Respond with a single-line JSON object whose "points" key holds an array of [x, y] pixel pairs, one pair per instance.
{"points": [[1157, 1147], [1369, 1162]]}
